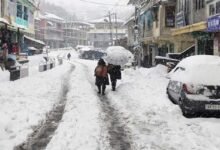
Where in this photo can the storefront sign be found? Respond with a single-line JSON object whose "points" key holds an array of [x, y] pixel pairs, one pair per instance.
{"points": [[213, 24], [21, 22]]}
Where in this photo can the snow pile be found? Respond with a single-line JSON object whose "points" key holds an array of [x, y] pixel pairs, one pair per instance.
{"points": [[153, 121], [200, 69], [25, 102]]}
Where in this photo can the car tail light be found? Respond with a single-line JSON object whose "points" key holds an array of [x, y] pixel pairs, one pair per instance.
{"points": [[185, 89], [193, 89]]}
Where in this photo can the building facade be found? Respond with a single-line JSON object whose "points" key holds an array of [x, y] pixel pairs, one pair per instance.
{"points": [[177, 28], [213, 23], [129, 24], [156, 20], [17, 20], [106, 33], [50, 30], [76, 33], [192, 22]]}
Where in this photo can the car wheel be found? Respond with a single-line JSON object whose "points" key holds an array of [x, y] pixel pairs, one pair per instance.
{"points": [[171, 99], [186, 113]]}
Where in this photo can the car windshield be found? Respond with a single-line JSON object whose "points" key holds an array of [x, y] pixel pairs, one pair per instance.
{"points": [[93, 74]]}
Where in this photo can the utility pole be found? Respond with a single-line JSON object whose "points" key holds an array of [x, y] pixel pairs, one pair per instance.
{"points": [[137, 45], [110, 27], [116, 28]]}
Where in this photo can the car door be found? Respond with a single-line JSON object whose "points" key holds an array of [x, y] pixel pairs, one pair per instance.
{"points": [[175, 86]]}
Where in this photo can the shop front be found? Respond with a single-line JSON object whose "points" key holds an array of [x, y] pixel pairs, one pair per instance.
{"points": [[213, 27]]}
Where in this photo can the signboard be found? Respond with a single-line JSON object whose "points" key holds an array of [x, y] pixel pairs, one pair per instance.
{"points": [[180, 19], [21, 22], [213, 24]]}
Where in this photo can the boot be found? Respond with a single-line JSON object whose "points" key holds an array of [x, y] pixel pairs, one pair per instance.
{"points": [[103, 89], [99, 89], [113, 88]]}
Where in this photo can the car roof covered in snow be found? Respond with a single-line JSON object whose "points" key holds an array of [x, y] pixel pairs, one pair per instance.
{"points": [[200, 69]]}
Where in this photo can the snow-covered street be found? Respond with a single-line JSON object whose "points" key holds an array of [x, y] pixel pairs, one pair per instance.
{"points": [[137, 116]]}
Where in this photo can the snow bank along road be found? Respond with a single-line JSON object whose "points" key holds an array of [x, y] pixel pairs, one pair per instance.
{"points": [[44, 131]]}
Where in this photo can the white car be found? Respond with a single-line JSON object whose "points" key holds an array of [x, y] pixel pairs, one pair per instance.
{"points": [[195, 85]]}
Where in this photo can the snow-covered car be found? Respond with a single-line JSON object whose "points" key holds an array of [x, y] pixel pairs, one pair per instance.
{"points": [[195, 85]]}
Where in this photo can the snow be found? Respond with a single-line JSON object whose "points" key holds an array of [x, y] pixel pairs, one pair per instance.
{"points": [[104, 20], [118, 55], [35, 40], [4, 20], [52, 16], [202, 70], [151, 120]]}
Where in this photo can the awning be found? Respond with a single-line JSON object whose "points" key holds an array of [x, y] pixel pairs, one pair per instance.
{"points": [[50, 23], [34, 40], [3, 20], [201, 26]]}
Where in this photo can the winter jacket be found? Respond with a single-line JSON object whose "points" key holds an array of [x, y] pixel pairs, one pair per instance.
{"points": [[101, 75], [114, 71]]}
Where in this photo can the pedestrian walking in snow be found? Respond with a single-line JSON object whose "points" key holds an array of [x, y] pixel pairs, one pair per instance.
{"points": [[101, 75], [69, 56], [115, 74]]}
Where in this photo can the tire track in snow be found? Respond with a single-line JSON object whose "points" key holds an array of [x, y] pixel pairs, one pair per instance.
{"points": [[118, 135], [43, 133]]}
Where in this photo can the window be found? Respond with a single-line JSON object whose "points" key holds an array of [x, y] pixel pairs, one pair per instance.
{"points": [[170, 16], [25, 13], [199, 4], [211, 10], [217, 7], [19, 10]]}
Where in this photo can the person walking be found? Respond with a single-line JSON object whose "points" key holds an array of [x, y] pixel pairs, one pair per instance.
{"points": [[69, 56], [101, 75], [115, 74]]}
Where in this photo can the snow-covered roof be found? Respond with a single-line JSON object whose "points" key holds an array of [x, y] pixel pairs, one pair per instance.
{"points": [[102, 20], [53, 16], [35, 40], [3, 20], [129, 19], [80, 22]]}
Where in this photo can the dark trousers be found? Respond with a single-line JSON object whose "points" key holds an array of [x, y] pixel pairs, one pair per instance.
{"points": [[101, 88], [114, 82]]}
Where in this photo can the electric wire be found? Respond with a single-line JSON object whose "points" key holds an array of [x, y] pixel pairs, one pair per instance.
{"points": [[98, 3]]}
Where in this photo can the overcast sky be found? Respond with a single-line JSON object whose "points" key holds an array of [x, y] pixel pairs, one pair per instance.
{"points": [[87, 11]]}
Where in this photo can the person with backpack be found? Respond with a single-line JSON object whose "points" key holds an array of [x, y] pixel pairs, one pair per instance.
{"points": [[115, 74], [101, 75]]}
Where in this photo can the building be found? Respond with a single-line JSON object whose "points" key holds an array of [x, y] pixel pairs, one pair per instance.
{"points": [[105, 33], [76, 33], [191, 21], [17, 20], [213, 23], [129, 24], [177, 28], [50, 30], [156, 19]]}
